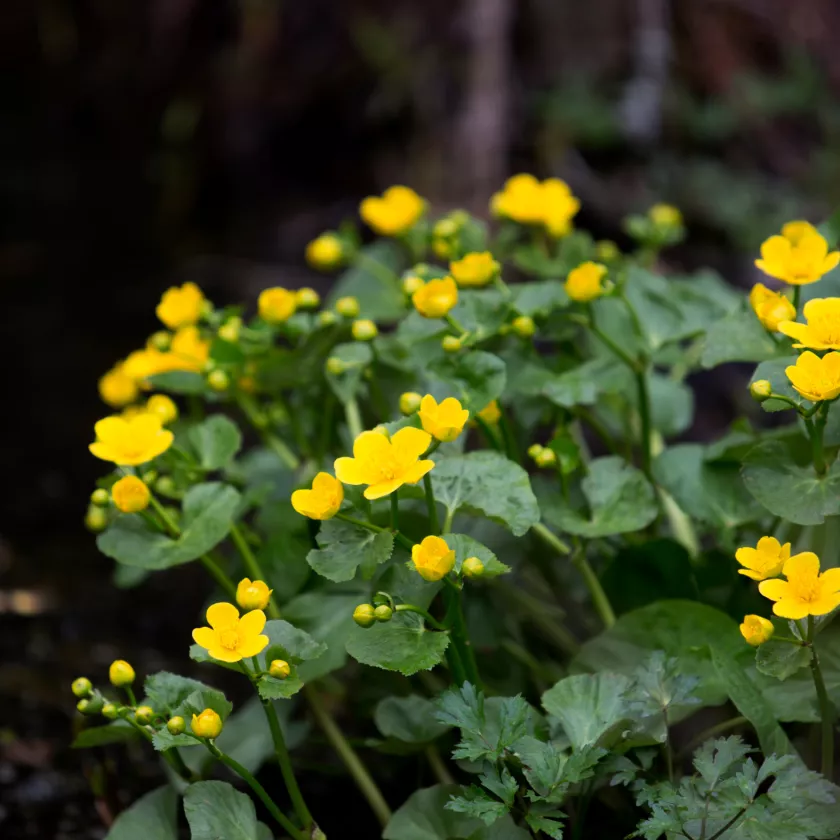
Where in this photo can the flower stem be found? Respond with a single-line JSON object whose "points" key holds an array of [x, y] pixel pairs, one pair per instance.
{"points": [[171, 756], [431, 505], [354, 419], [252, 412], [395, 511], [826, 708], [455, 324], [402, 539], [447, 521], [433, 622], [816, 427], [797, 292], [252, 565], [458, 627], [644, 415]]}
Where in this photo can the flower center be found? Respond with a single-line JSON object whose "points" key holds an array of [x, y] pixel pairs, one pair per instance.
{"points": [[229, 639], [806, 588]]}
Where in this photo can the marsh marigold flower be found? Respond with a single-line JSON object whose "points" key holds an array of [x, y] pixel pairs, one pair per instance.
{"points": [[816, 378], [756, 629], [207, 725], [253, 594], [117, 388], [180, 307], [765, 560], [806, 591], [396, 211], [771, 308], [559, 207], [822, 332], [520, 200], [120, 673], [476, 269], [130, 494], [443, 421], [130, 442], [325, 253], [383, 464], [322, 501], [491, 413], [188, 351], [433, 558], [436, 298], [230, 638], [164, 407], [799, 256], [276, 305], [584, 283]]}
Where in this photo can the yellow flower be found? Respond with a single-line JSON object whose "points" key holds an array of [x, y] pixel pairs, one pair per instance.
{"points": [[117, 388], [756, 629], [822, 332], [444, 421], [765, 560], [436, 298], [476, 269], [799, 256], [120, 673], [130, 494], [181, 307], [520, 200], [584, 282], [383, 464], [491, 413], [164, 407], [816, 378], [322, 501], [433, 558], [665, 216], [394, 213], [559, 207], [130, 442], [253, 594], [771, 308], [207, 725], [230, 638], [806, 591], [325, 253], [188, 351], [141, 364], [276, 305]]}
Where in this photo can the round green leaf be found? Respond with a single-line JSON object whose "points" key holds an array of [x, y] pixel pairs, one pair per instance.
{"points": [[343, 547]]}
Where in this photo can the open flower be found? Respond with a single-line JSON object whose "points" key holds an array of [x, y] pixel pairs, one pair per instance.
{"points": [[799, 256], [383, 464], [559, 207], [181, 307], [117, 388], [476, 269], [521, 200], [130, 442], [444, 421], [765, 560], [230, 638], [392, 214], [130, 494], [253, 594], [436, 298], [822, 332], [322, 501], [584, 282], [188, 351], [756, 629], [816, 378], [771, 308], [806, 591], [276, 305], [433, 558]]}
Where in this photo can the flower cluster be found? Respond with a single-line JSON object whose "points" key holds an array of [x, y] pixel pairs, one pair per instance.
{"points": [[548, 203]]}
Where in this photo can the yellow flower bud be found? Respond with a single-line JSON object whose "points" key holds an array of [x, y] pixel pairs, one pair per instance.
{"points": [[229, 331], [364, 330], [383, 613], [534, 449], [364, 615], [335, 366], [130, 494], [472, 567], [436, 298], [411, 283], [524, 326], [279, 669], [444, 421], [756, 630], [144, 715], [409, 402], [325, 253], [451, 343], [96, 519], [218, 380], [100, 497], [433, 559], [546, 458], [322, 501], [110, 711], [606, 251], [253, 595], [161, 340], [181, 307], [118, 388], [81, 687], [307, 298], [326, 318], [347, 306], [665, 216], [120, 673], [176, 725], [164, 407], [276, 305], [491, 413], [395, 212], [761, 389], [444, 228], [585, 282], [207, 725], [476, 269]]}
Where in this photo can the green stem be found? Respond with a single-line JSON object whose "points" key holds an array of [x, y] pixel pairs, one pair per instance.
{"points": [[402, 539], [171, 756], [628, 360], [354, 419], [456, 666], [644, 414], [438, 767], [458, 627], [431, 505], [488, 433], [130, 694], [376, 268], [815, 428], [252, 412], [797, 293], [551, 538], [395, 511], [252, 565], [826, 708], [508, 439], [447, 521], [433, 622], [454, 323]]}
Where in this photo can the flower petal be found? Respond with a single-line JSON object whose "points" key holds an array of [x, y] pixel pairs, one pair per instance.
{"points": [[252, 645], [831, 262], [370, 446], [225, 655], [384, 488], [774, 589], [222, 615], [806, 564], [349, 471], [830, 581], [252, 623], [791, 608], [410, 443], [416, 471], [205, 636]]}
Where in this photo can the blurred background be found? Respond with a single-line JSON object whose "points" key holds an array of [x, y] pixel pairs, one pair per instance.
{"points": [[143, 144]]}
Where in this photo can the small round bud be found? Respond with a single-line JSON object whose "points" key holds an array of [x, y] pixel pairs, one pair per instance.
{"points": [[335, 366], [410, 402], [326, 252], [100, 497], [229, 331], [383, 613], [524, 326], [307, 298], [364, 615], [278, 415], [207, 725], [534, 450], [144, 715], [96, 519], [176, 725], [364, 330], [326, 318], [279, 669], [110, 711], [442, 248], [84, 707], [411, 283], [165, 485], [382, 430], [761, 390], [81, 687], [120, 673], [546, 458], [91, 705], [164, 407], [606, 251], [445, 227], [451, 344], [130, 494], [149, 477], [472, 568], [218, 380], [160, 340], [347, 306]]}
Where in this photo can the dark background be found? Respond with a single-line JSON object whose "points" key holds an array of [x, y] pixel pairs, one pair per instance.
{"points": [[146, 143]]}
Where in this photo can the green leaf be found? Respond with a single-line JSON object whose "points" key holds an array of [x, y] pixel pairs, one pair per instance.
{"points": [[475, 378], [786, 489], [410, 719], [343, 547], [539, 298], [208, 512], [774, 372], [194, 704], [217, 811], [739, 337], [179, 382], [781, 660], [216, 440], [111, 733], [293, 645], [582, 385], [487, 483], [154, 815], [373, 280], [618, 496], [356, 357], [465, 547], [403, 644], [167, 693], [477, 803]]}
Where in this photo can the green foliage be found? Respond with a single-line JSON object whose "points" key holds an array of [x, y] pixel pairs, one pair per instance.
{"points": [[216, 809], [215, 440], [344, 547], [410, 719], [153, 815]]}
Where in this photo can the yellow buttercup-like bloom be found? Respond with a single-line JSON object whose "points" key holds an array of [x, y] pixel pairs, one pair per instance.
{"points": [[230, 638], [181, 307], [756, 629], [799, 256], [765, 560], [816, 378], [584, 283], [253, 594], [130, 494], [322, 501], [392, 214], [383, 464], [806, 591], [444, 421], [141, 364], [117, 388], [822, 332], [521, 200], [188, 350], [436, 298], [207, 725], [164, 407], [771, 308], [665, 216], [325, 252], [476, 269], [491, 413], [276, 305], [559, 207], [130, 442], [433, 558]]}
